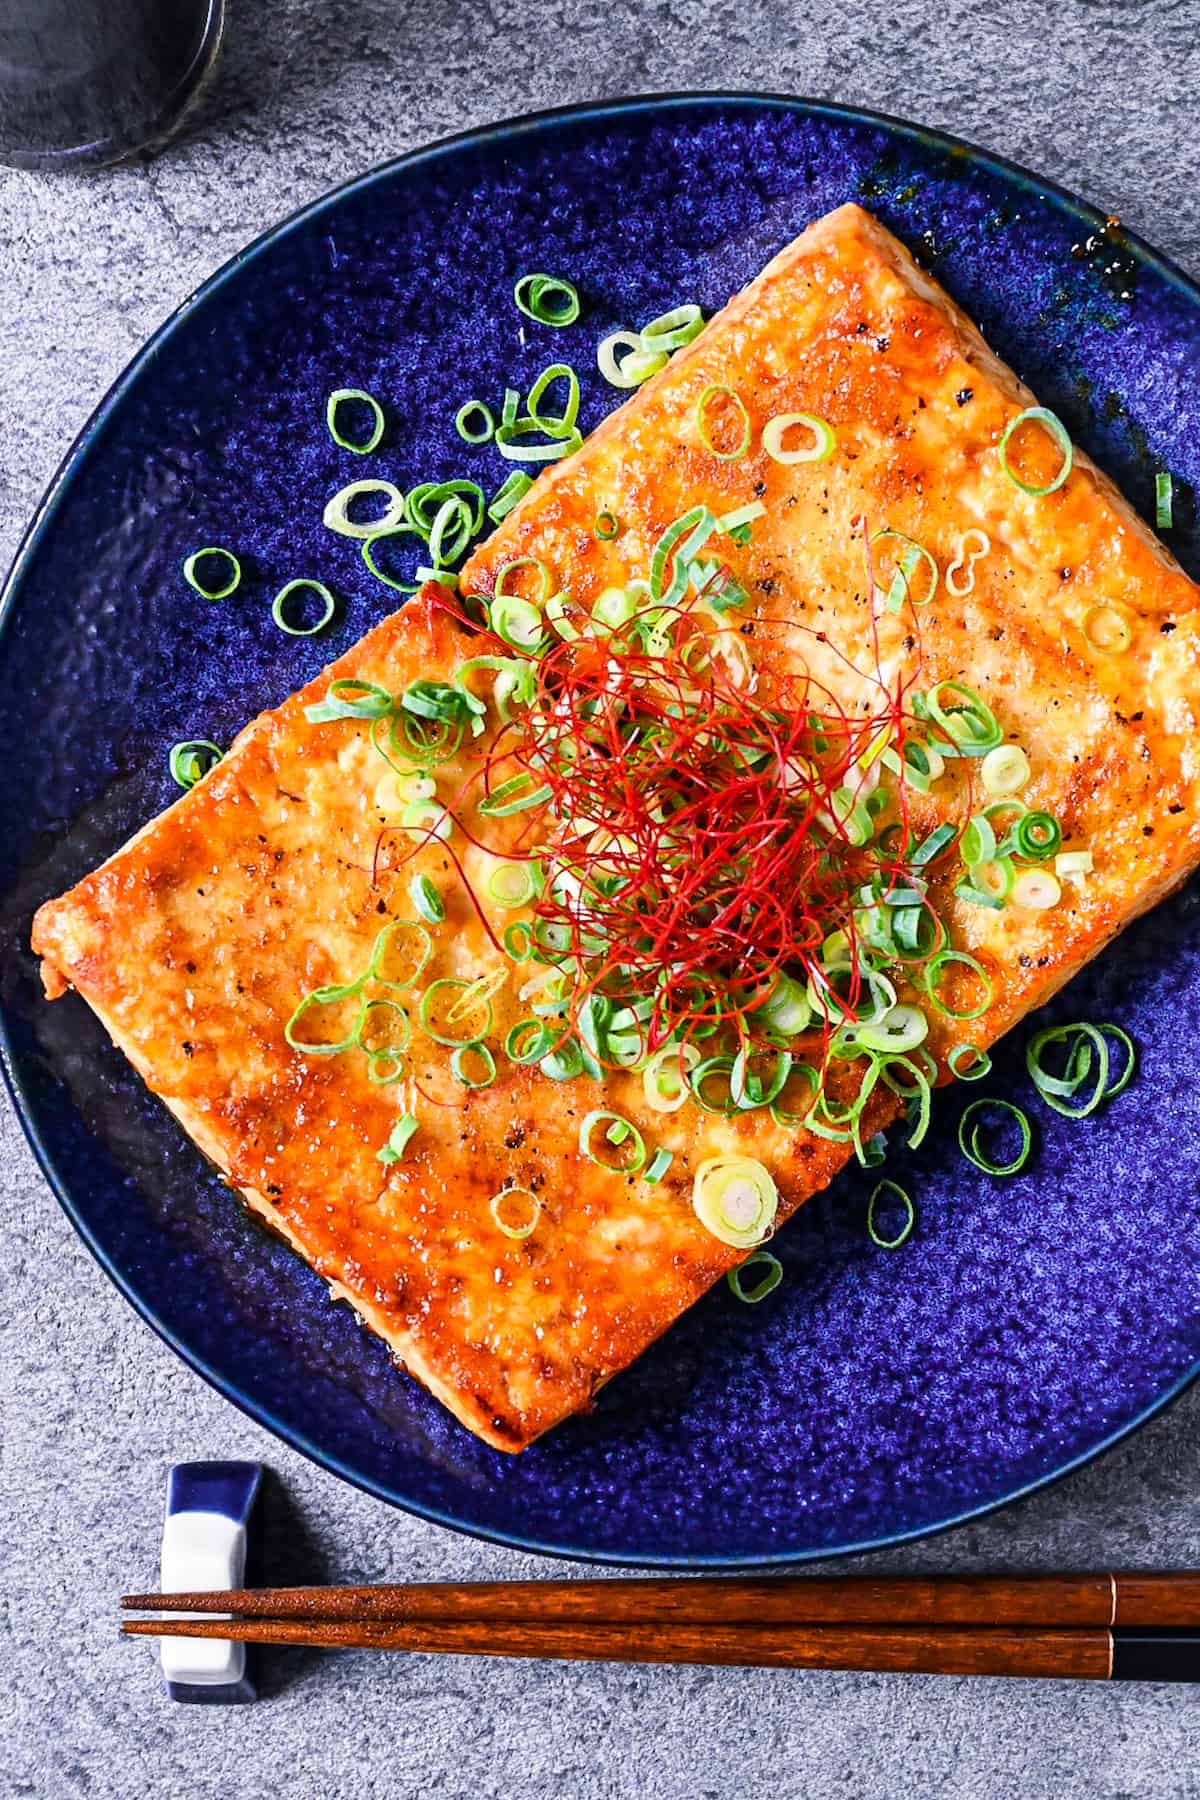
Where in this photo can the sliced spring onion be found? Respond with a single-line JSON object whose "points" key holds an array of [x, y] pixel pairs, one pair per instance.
{"points": [[513, 884], [518, 794], [979, 1065], [960, 571], [546, 380], [769, 1281], [1036, 836], [936, 967], [968, 722], [1005, 770], [1074, 865], [624, 1138], [336, 516], [302, 585], [547, 299], [672, 330], [1107, 628], [1038, 415], [382, 1035], [678, 547], [717, 390], [886, 1193], [484, 1072], [349, 698], [822, 447], [971, 1127], [607, 525], [913, 556], [398, 958], [735, 1198], [405, 529], [1085, 1046], [467, 428], [630, 370], [511, 491], [224, 577], [786, 1010], [521, 1198], [1036, 890], [978, 841], [556, 440], [426, 899], [398, 1139], [665, 1077], [191, 760], [441, 1000], [657, 1167], [314, 1003], [356, 397], [1164, 501], [932, 846]]}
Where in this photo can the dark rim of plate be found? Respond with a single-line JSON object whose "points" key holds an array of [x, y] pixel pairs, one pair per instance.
{"points": [[531, 124]]}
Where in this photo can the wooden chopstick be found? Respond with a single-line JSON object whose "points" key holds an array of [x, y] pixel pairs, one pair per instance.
{"points": [[1054, 1602], [932, 1650]]}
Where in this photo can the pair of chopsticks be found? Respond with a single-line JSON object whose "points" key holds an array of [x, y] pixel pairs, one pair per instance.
{"points": [[1104, 1627]]}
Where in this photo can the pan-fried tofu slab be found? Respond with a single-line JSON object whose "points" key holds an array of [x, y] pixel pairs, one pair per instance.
{"points": [[278, 877]]}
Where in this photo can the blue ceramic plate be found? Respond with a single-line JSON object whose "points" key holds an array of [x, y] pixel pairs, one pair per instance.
{"points": [[875, 1396]]}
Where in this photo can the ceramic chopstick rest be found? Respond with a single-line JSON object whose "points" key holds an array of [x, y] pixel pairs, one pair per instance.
{"points": [[205, 1535]]}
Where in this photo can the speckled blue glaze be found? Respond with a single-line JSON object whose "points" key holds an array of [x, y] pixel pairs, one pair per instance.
{"points": [[874, 1396]]}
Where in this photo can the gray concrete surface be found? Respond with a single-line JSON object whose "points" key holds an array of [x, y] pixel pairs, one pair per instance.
{"points": [[1098, 94]]}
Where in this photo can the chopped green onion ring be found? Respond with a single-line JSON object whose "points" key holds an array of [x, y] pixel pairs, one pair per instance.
{"points": [[464, 422], [629, 1141], [343, 397], [398, 1138], [1040, 415], [547, 299], [349, 698], [191, 760], [302, 584], [710, 393], [321, 997], [770, 1280], [824, 438], [970, 1127], [511, 491], [461, 1071], [980, 1063], [337, 518], [1084, 1044], [1164, 499], [496, 1206], [405, 529], [383, 946], [672, 330], [634, 368], [559, 440], [426, 899], [891, 1190], [735, 1198], [554, 421], [232, 570], [936, 967]]}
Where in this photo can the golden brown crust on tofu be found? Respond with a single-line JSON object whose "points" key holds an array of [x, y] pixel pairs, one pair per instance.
{"points": [[194, 945], [843, 325], [196, 941]]}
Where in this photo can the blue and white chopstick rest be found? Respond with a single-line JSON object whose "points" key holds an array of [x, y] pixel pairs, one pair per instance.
{"points": [[205, 1536]]}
